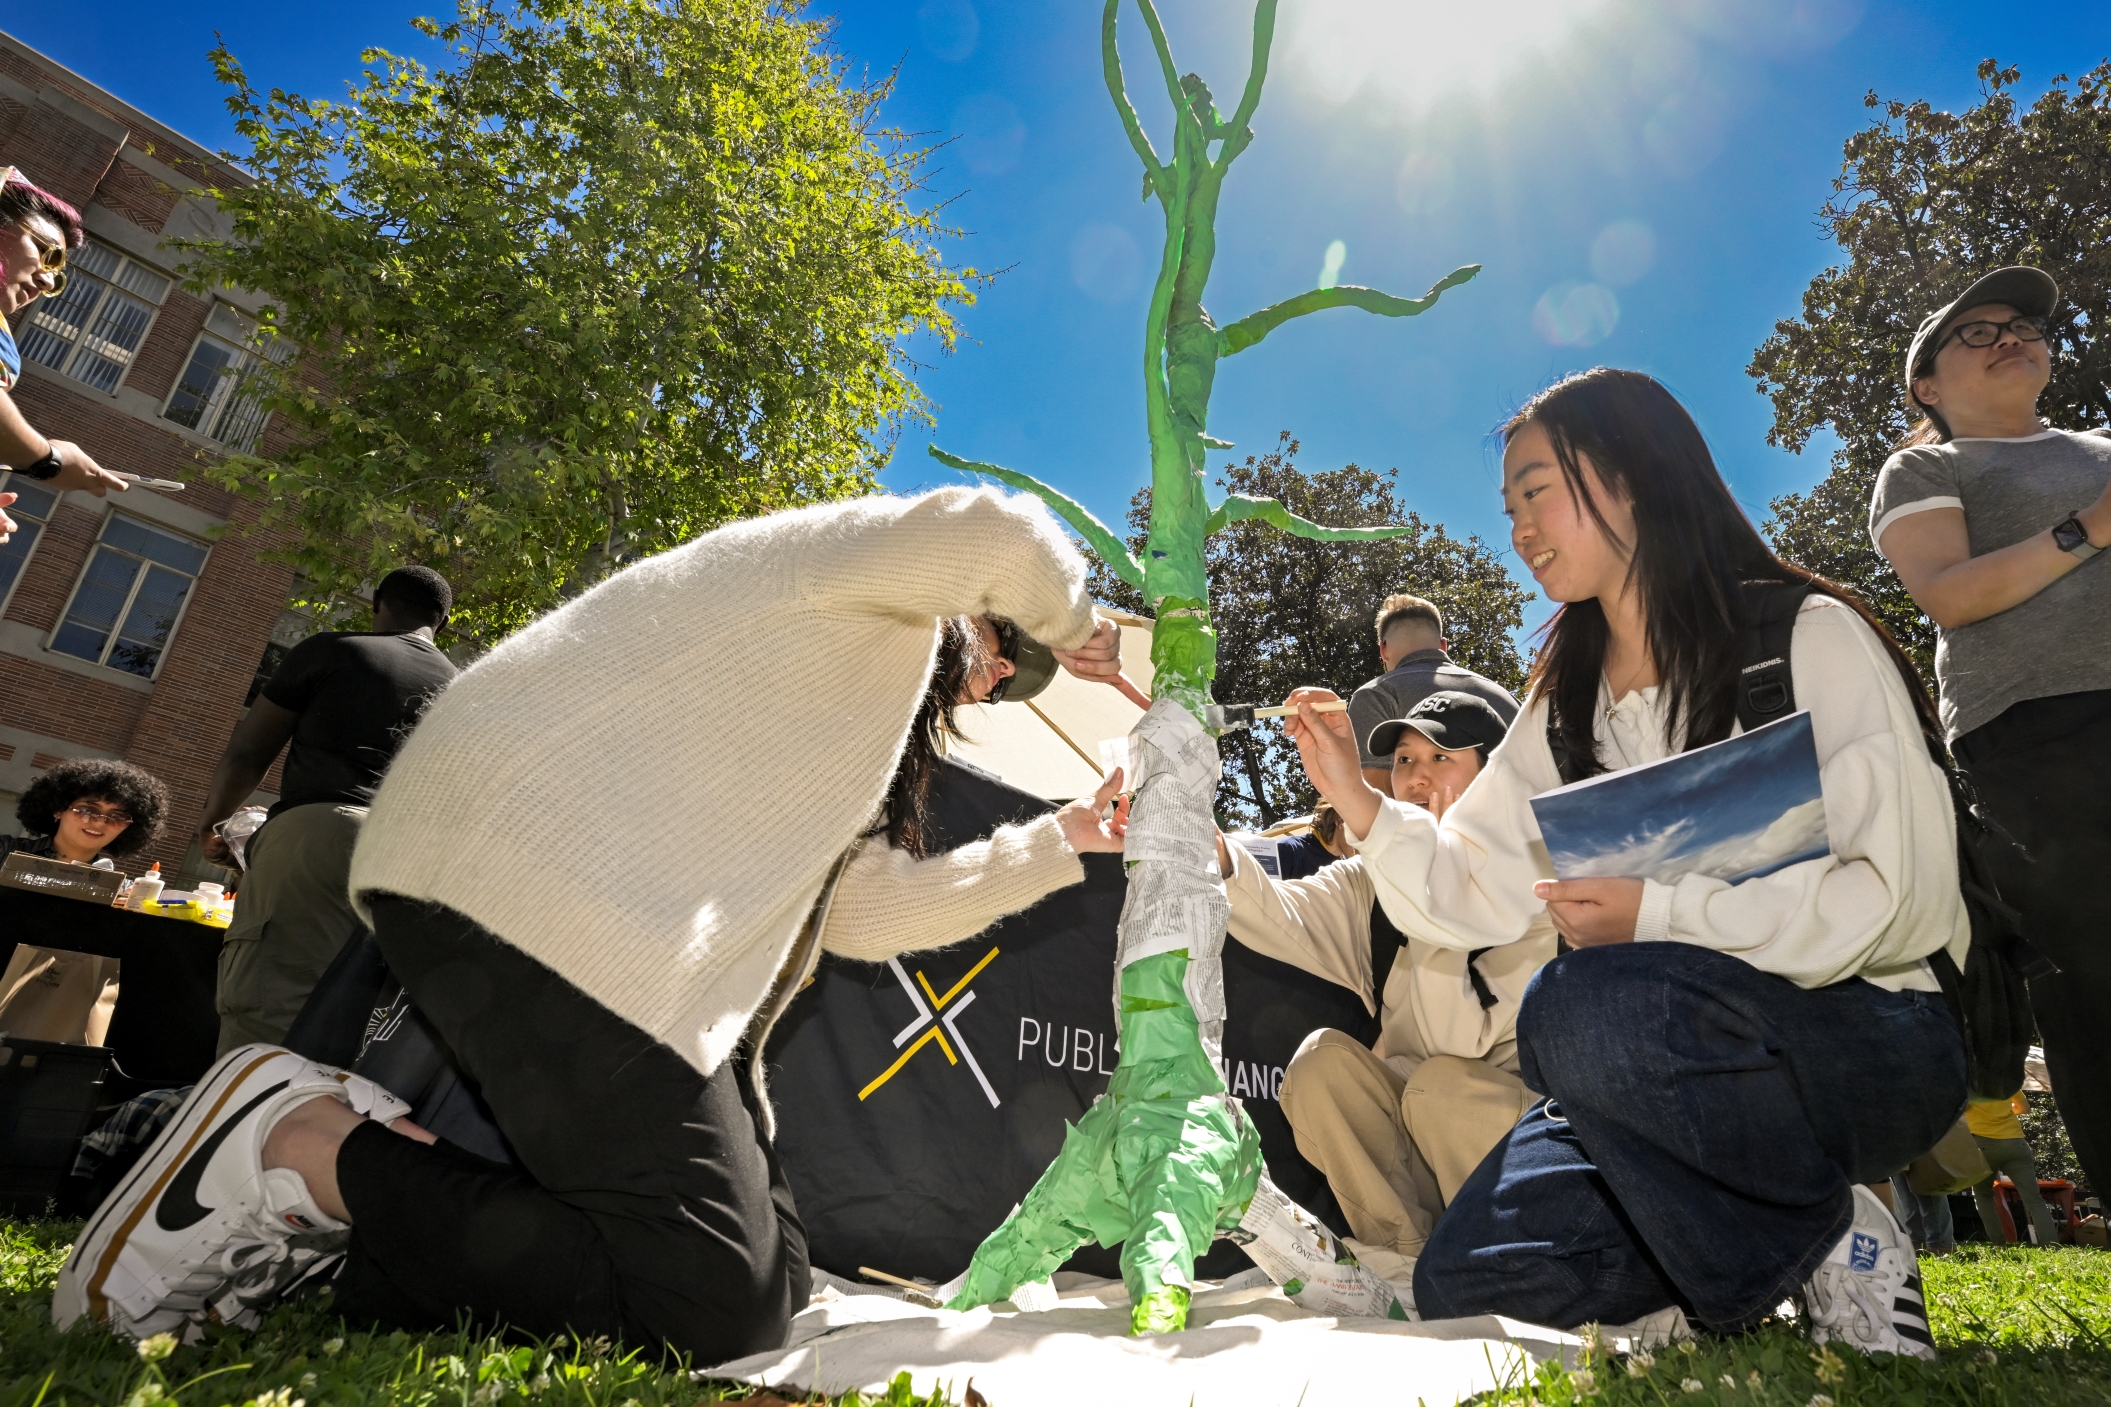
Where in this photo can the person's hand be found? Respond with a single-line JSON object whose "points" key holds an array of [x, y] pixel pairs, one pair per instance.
{"points": [[2096, 518], [214, 847], [1440, 801], [1326, 745], [1084, 830], [78, 470], [1098, 661], [7, 525], [1591, 913]]}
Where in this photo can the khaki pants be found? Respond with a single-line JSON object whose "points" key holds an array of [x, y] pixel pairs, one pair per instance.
{"points": [[292, 915], [1396, 1150]]}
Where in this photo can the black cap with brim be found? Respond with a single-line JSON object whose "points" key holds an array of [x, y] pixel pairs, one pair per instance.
{"points": [[1448, 718], [1033, 669], [2031, 292]]}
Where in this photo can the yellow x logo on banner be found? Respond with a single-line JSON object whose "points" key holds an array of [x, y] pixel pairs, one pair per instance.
{"points": [[934, 1021]]}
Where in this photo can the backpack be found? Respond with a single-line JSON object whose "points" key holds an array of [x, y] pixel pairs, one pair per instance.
{"points": [[1990, 998]]}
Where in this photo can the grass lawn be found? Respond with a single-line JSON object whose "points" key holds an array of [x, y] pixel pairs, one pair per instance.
{"points": [[2018, 1328]]}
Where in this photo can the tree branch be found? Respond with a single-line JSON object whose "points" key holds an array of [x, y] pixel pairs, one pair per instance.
{"points": [[1238, 507], [1239, 134], [1111, 549], [1254, 326], [1110, 64]]}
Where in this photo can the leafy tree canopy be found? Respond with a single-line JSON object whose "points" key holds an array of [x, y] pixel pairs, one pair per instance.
{"points": [[1925, 202], [619, 272], [1291, 611]]}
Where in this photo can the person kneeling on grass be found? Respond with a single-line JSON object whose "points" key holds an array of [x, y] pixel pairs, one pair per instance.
{"points": [[1399, 1124], [1710, 1048], [556, 873]]}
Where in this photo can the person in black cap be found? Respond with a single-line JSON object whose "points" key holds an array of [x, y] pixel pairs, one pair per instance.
{"points": [[1398, 1119], [1991, 518]]}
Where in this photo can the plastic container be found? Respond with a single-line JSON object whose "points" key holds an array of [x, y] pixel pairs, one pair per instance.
{"points": [[145, 889]]}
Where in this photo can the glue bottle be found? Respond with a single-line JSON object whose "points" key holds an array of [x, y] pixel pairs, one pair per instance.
{"points": [[146, 889]]}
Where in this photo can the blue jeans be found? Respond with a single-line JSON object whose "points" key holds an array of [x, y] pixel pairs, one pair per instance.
{"points": [[1705, 1122], [1927, 1220]]}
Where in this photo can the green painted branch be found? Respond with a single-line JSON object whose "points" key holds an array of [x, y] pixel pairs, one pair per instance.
{"points": [[1110, 548], [1165, 56], [1237, 508], [1254, 326], [1118, 89], [1240, 133]]}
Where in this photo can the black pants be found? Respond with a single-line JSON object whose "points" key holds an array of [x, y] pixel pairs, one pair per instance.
{"points": [[647, 1208], [2043, 769]]}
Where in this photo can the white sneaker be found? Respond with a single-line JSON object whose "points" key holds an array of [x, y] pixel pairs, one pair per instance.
{"points": [[198, 1229], [1866, 1293]]}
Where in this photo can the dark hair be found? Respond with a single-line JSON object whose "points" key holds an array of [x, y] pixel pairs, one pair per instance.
{"points": [[417, 591], [1399, 609], [1693, 546], [19, 201], [960, 654], [97, 779], [1326, 823]]}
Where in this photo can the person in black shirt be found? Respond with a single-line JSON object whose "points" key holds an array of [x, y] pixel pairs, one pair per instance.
{"points": [[345, 702], [1411, 648]]}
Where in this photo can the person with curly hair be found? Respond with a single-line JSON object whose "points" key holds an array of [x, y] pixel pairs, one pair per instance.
{"points": [[88, 807], [80, 810]]}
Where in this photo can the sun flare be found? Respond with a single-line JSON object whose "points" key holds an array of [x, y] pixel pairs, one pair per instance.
{"points": [[1408, 51]]}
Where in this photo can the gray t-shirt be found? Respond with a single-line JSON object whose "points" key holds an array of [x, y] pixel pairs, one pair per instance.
{"points": [[1414, 679], [2010, 490]]}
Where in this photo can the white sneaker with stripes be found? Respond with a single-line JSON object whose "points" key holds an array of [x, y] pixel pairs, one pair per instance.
{"points": [[1866, 1293]]}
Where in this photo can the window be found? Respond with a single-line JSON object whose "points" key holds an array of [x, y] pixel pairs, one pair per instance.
{"points": [[92, 329], [218, 395], [31, 510], [130, 597]]}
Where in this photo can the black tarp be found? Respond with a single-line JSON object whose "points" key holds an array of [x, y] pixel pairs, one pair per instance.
{"points": [[918, 1100]]}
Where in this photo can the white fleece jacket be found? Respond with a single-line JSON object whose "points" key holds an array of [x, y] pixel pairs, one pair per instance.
{"points": [[1876, 907], [588, 790]]}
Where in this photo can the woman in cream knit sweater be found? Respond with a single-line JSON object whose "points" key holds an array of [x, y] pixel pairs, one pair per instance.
{"points": [[605, 987]]}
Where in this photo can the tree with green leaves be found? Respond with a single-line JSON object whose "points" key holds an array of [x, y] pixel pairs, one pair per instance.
{"points": [[1165, 1161], [1926, 201], [618, 272], [1291, 611]]}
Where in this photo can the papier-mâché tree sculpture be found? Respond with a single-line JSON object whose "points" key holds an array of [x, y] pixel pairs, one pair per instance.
{"points": [[1166, 1161]]}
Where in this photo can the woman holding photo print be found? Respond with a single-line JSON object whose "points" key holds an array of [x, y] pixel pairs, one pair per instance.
{"points": [[1709, 1049]]}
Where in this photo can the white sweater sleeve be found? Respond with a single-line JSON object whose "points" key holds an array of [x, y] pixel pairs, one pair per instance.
{"points": [[1884, 898]]}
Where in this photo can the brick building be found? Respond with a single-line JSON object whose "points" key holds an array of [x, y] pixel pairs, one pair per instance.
{"points": [[132, 626]]}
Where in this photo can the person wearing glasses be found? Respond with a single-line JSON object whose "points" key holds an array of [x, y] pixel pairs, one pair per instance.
{"points": [[36, 231], [1992, 519], [83, 810], [86, 808]]}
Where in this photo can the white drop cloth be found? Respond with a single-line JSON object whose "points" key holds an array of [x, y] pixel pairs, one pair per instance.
{"points": [[1245, 1346]]}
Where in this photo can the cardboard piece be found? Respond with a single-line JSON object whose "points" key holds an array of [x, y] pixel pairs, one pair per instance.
{"points": [[34, 872]]}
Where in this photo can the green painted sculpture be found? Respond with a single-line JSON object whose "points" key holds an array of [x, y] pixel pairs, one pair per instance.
{"points": [[1165, 1161]]}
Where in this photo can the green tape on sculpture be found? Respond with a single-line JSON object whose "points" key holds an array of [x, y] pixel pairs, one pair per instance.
{"points": [[1166, 1159]]}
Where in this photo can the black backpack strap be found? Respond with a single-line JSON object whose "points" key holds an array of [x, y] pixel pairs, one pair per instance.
{"points": [[1386, 945], [1766, 689]]}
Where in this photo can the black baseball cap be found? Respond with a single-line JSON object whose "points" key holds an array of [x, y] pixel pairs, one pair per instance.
{"points": [[1448, 718], [2031, 292]]}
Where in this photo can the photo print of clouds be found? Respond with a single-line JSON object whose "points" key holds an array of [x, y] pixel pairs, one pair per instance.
{"points": [[1734, 810]]}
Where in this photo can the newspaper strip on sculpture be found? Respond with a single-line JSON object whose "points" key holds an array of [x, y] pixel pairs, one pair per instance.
{"points": [[1176, 896]]}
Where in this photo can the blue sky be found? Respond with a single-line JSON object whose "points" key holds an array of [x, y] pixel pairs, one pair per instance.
{"points": [[1734, 811], [1686, 144]]}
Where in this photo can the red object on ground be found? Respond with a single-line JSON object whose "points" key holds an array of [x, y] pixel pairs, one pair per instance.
{"points": [[2058, 1193]]}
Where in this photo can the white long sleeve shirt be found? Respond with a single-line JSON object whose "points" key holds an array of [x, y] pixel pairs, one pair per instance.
{"points": [[1884, 899]]}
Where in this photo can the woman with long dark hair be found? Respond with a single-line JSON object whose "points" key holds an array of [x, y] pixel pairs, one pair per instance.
{"points": [[1726, 1063], [557, 871]]}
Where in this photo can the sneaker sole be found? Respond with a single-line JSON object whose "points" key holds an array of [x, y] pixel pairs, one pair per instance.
{"points": [[79, 1292]]}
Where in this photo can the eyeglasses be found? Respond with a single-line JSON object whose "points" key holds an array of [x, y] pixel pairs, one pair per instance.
{"points": [[1986, 334], [111, 818], [52, 259]]}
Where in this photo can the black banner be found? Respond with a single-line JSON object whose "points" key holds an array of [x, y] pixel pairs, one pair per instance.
{"points": [[918, 1099]]}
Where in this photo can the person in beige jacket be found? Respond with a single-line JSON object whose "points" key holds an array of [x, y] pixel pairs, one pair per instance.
{"points": [[559, 871], [1397, 1127]]}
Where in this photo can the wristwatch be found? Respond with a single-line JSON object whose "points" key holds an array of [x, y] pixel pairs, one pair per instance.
{"points": [[2072, 538], [48, 467]]}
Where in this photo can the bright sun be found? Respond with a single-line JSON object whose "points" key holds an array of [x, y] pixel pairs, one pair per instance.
{"points": [[1408, 50]]}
